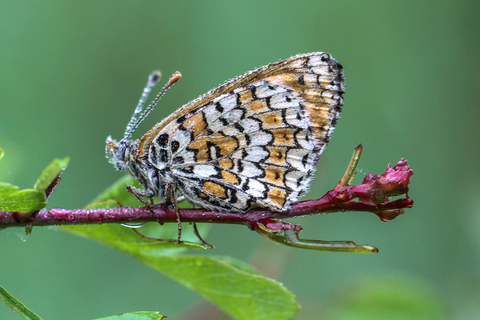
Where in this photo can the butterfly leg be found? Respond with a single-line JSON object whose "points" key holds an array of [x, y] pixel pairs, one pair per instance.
{"points": [[139, 194], [195, 231], [172, 199]]}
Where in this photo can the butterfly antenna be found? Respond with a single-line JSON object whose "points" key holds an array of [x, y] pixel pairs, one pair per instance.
{"points": [[139, 114], [153, 79]]}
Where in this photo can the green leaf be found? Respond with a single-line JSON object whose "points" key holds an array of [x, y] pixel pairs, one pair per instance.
{"points": [[123, 238], [241, 292], [140, 315], [7, 189], [17, 306], [23, 201], [118, 192], [1, 153], [50, 174], [29, 200], [234, 286]]}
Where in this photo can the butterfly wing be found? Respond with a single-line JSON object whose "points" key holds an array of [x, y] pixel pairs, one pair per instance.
{"points": [[255, 140]]}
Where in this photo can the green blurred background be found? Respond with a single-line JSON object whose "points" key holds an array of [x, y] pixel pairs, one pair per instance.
{"points": [[72, 72]]}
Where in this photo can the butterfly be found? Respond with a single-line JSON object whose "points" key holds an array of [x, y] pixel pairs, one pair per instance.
{"points": [[251, 142]]}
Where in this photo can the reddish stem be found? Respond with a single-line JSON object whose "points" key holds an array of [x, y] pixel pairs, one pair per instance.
{"points": [[372, 195]]}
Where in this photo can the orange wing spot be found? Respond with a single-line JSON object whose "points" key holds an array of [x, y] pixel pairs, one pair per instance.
{"points": [[277, 156], [283, 136], [245, 96], [226, 163], [229, 177], [318, 117], [201, 194], [274, 175], [195, 123], [288, 79], [202, 153], [277, 196], [213, 148], [214, 189], [314, 95], [325, 83], [270, 120], [256, 106], [227, 145], [218, 135]]}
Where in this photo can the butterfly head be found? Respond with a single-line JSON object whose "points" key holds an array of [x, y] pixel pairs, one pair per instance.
{"points": [[118, 152]]}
